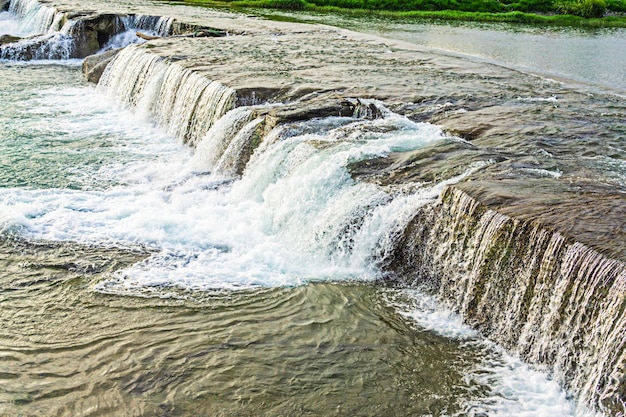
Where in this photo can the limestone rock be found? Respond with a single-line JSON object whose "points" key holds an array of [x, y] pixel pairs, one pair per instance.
{"points": [[86, 43], [146, 37], [94, 65], [93, 32]]}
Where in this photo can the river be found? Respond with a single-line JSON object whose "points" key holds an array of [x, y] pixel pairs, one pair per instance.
{"points": [[589, 56], [134, 281]]}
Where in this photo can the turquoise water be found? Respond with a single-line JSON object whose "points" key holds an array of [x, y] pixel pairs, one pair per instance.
{"points": [[65, 145]]}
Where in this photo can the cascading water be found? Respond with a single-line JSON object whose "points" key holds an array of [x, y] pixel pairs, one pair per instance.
{"points": [[35, 18], [554, 302], [254, 208], [211, 150], [297, 193], [30, 18], [294, 216], [61, 37], [180, 100], [157, 25], [58, 46], [56, 34], [128, 27]]}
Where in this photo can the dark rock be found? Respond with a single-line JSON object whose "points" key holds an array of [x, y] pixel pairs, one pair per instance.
{"points": [[94, 65], [86, 43], [94, 31], [186, 30], [4, 39], [107, 23]]}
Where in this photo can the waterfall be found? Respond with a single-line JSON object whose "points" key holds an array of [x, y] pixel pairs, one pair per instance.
{"points": [[58, 45], [212, 147], [160, 26], [555, 302], [49, 33], [62, 37], [35, 17], [236, 155], [182, 101]]}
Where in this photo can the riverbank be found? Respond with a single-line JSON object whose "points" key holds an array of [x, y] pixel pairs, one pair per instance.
{"points": [[544, 15]]}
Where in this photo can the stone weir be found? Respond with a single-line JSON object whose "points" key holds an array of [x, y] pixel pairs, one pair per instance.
{"points": [[531, 249]]}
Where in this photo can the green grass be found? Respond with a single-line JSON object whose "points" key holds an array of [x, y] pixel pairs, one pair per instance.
{"points": [[579, 13]]}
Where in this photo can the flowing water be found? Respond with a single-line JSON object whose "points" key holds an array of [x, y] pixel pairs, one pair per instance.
{"points": [[585, 55], [139, 277]]}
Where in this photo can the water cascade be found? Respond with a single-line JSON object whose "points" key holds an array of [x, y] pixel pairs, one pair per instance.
{"points": [[53, 35], [209, 154], [555, 302], [126, 28], [179, 99], [59, 45], [158, 25], [35, 18]]}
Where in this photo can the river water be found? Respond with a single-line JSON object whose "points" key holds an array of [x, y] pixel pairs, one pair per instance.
{"points": [[135, 282], [589, 56]]}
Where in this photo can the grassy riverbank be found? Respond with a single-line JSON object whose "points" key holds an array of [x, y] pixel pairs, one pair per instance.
{"points": [[582, 13]]}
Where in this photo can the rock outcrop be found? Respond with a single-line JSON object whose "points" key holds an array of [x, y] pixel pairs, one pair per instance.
{"points": [[94, 65], [4, 39]]}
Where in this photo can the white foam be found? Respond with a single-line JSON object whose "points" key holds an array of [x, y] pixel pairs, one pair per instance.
{"points": [[515, 389], [9, 24], [429, 315], [552, 99], [123, 39], [543, 172], [292, 218]]}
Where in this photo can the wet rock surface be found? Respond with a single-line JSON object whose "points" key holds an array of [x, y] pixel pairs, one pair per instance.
{"points": [[4, 39]]}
